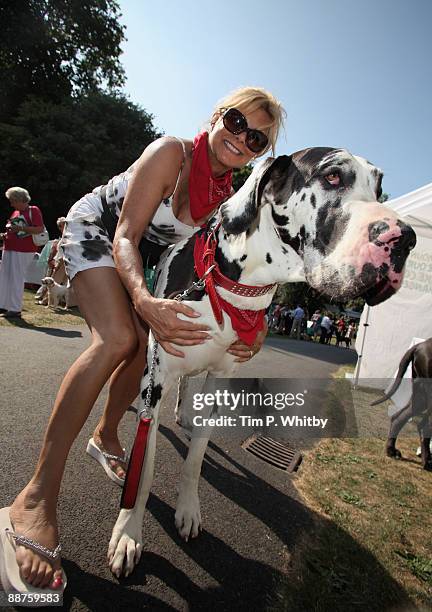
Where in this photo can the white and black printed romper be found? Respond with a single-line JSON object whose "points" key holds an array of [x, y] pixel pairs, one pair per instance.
{"points": [[90, 225]]}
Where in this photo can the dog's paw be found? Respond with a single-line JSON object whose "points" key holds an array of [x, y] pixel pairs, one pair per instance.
{"points": [[188, 516], [125, 547]]}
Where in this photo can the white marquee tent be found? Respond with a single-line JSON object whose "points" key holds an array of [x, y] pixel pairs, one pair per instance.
{"points": [[394, 324]]}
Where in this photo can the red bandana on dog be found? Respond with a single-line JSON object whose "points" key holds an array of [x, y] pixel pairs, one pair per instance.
{"points": [[205, 190]]}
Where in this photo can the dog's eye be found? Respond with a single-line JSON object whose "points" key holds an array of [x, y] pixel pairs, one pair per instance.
{"points": [[333, 179]]}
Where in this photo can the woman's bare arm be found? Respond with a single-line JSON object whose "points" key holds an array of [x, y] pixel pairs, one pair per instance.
{"points": [[153, 179]]}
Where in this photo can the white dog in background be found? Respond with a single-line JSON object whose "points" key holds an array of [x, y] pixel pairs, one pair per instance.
{"points": [[56, 293]]}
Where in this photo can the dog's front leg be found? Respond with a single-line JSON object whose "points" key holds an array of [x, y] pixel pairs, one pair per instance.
{"points": [[188, 512], [125, 547]]}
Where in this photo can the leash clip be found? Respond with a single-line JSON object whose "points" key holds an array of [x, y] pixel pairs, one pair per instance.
{"points": [[201, 281], [198, 285]]}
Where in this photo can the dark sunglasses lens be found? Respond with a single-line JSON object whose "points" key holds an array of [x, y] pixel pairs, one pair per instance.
{"points": [[256, 141], [234, 121]]}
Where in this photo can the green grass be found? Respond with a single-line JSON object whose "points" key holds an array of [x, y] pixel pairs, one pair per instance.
{"points": [[34, 315], [370, 548]]}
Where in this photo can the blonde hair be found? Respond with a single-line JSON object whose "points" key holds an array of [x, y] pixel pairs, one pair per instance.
{"points": [[250, 99], [18, 194]]}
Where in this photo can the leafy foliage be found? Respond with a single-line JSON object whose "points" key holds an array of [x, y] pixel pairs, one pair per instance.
{"points": [[240, 176], [60, 151], [64, 126], [300, 293], [383, 197], [55, 48]]}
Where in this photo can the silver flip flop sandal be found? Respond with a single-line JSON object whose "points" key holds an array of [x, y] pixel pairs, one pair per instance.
{"points": [[9, 570], [104, 458]]}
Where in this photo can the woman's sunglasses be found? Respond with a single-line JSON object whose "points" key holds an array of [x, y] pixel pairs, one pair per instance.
{"points": [[235, 122]]}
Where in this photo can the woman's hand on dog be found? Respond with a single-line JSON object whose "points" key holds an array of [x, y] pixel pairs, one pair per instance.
{"points": [[168, 328], [243, 351]]}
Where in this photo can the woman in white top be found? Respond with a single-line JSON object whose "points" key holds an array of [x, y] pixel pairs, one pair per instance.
{"points": [[152, 201]]}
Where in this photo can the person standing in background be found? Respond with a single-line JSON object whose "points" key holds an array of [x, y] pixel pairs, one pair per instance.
{"points": [[316, 323], [53, 260], [298, 315], [326, 325], [18, 250], [349, 335], [340, 330]]}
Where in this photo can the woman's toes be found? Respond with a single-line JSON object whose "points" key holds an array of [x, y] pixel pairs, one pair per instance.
{"points": [[47, 576], [33, 572], [39, 578], [117, 469], [28, 563], [25, 570], [57, 581]]}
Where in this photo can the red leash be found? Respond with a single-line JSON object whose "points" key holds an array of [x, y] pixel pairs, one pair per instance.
{"points": [[145, 417], [133, 474]]}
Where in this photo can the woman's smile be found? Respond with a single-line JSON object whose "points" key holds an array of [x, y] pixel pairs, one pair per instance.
{"points": [[231, 148]]}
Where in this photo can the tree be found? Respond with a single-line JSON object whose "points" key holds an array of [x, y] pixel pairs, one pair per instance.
{"points": [[301, 293], [56, 48], [60, 152], [240, 176]]}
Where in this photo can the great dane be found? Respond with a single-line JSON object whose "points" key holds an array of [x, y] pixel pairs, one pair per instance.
{"points": [[312, 216], [420, 405]]}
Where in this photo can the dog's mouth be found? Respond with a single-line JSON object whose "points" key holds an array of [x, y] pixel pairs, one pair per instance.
{"points": [[374, 285], [380, 292], [380, 283]]}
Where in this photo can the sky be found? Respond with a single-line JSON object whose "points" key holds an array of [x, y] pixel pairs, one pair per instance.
{"points": [[354, 74]]}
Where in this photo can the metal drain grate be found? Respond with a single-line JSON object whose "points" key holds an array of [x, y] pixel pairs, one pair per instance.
{"points": [[273, 452]]}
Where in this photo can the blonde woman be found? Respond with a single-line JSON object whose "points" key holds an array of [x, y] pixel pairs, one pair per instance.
{"points": [[164, 197]]}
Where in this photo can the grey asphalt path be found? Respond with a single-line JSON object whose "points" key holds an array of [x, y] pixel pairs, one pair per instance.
{"points": [[252, 514]]}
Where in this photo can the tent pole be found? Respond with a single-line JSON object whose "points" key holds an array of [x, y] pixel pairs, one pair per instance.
{"points": [[360, 357]]}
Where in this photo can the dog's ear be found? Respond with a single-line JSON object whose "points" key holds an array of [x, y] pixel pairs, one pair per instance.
{"points": [[242, 208]]}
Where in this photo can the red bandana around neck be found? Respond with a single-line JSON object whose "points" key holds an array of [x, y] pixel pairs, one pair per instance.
{"points": [[206, 191]]}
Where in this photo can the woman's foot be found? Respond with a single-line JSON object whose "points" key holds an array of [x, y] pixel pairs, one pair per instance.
{"points": [[31, 517], [109, 443]]}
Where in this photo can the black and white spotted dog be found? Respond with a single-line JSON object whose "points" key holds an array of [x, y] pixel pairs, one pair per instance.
{"points": [[311, 216]]}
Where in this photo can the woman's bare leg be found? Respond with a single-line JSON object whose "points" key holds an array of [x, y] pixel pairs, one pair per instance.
{"points": [[123, 388], [104, 303]]}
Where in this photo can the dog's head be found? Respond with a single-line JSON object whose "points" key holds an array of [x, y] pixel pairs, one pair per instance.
{"points": [[324, 207], [47, 281]]}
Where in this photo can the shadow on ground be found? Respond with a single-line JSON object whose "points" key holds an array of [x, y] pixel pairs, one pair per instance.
{"points": [[50, 331], [304, 579], [314, 350], [245, 584]]}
